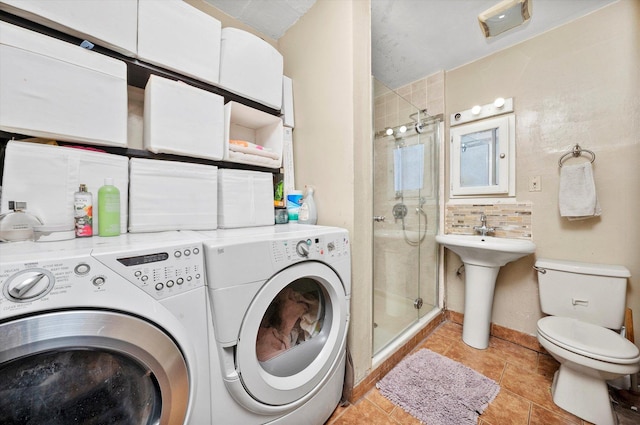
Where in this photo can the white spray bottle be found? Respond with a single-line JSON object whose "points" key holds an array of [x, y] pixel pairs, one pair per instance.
{"points": [[308, 213]]}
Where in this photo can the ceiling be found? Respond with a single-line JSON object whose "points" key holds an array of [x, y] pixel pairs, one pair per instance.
{"points": [[411, 39], [270, 17]]}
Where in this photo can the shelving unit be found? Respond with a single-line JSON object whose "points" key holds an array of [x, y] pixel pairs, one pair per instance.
{"points": [[138, 73]]}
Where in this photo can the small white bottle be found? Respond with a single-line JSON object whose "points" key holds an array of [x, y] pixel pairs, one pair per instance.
{"points": [[308, 213], [83, 212], [17, 224]]}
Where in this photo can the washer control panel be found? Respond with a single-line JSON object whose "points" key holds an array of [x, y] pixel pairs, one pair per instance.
{"points": [[97, 272], [55, 280], [160, 272]]}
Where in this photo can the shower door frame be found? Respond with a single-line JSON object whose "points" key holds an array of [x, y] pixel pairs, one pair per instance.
{"points": [[385, 229]]}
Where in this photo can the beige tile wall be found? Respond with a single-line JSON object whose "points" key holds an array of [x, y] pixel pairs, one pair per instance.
{"points": [[508, 220], [426, 93]]}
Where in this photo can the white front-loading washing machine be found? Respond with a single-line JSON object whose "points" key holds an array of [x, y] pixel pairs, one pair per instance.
{"points": [[104, 330], [280, 311]]}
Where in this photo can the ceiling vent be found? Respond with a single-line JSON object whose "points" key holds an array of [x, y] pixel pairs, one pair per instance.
{"points": [[504, 16]]}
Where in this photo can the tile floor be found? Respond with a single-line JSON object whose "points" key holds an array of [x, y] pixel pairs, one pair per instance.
{"points": [[524, 376]]}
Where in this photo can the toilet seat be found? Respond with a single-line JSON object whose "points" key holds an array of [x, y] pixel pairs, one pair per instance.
{"points": [[588, 340]]}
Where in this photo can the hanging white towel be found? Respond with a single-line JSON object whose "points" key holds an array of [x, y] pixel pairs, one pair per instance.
{"points": [[577, 196]]}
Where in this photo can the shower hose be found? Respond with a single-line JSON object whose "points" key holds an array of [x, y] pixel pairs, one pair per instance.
{"points": [[423, 234]]}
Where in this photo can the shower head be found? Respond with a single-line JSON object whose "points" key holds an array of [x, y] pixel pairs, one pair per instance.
{"points": [[415, 114]]}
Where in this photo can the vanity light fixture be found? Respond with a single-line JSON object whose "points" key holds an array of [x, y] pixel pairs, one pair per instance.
{"points": [[504, 16], [498, 107]]}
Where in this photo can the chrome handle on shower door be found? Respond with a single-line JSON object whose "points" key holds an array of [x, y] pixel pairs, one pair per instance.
{"points": [[379, 218]]}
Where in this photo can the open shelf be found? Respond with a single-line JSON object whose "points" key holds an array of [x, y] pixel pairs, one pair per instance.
{"points": [[138, 73], [141, 153]]}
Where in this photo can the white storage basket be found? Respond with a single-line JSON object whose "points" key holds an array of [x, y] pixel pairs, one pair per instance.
{"points": [[171, 195], [245, 198]]}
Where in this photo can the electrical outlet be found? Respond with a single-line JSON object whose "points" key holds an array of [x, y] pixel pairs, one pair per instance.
{"points": [[534, 184]]}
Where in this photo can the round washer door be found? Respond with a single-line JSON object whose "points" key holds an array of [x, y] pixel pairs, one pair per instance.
{"points": [[91, 367], [293, 333]]}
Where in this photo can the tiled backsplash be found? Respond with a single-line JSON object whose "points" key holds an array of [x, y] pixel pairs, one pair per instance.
{"points": [[508, 220]]}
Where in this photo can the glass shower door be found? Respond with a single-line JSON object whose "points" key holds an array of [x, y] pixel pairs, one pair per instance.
{"points": [[405, 215]]}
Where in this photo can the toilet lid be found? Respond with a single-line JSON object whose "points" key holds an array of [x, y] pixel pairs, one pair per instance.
{"points": [[588, 340]]}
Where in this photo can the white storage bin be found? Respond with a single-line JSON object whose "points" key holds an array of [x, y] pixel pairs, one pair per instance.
{"points": [[182, 119], [179, 37], [252, 136], [251, 67], [112, 24], [57, 90], [245, 198], [170, 195], [46, 177], [287, 102]]}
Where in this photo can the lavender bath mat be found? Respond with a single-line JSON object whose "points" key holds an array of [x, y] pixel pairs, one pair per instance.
{"points": [[438, 390]]}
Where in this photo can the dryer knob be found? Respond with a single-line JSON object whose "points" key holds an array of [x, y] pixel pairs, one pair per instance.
{"points": [[302, 249]]}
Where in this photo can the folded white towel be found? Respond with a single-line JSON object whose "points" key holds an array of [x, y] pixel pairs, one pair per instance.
{"points": [[247, 158], [252, 150], [577, 196]]}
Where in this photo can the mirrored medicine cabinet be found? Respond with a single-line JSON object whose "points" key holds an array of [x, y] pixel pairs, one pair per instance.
{"points": [[483, 158]]}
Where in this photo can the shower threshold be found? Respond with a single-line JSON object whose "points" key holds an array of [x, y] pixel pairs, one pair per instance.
{"points": [[394, 345]]}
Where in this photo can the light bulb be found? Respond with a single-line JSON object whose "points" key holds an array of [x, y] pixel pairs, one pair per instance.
{"points": [[389, 131], [476, 109], [499, 102], [402, 129]]}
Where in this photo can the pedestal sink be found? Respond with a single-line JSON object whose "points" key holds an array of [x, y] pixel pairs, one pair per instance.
{"points": [[482, 257]]}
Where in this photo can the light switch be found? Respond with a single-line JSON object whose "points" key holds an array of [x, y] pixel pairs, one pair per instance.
{"points": [[534, 184]]}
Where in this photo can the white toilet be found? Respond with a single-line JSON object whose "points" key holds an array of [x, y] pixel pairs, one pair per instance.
{"points": [[586, 304]]}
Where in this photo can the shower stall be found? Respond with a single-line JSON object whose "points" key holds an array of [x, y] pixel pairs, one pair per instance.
{"points": [[405, 205]]}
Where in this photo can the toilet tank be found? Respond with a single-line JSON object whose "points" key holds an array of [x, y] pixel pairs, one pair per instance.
{"points": [[594, 293]]}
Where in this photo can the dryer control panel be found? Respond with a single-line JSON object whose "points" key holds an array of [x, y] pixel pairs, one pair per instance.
{"points": [[312, 248]]}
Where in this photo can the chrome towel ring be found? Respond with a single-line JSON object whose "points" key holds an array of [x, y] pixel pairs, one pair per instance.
{"points": [[576, 152]]}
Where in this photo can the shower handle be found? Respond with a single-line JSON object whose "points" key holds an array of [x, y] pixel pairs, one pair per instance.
{"points": [[400, 211]]}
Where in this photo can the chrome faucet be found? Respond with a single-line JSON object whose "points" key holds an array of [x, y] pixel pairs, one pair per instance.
{"points": [[483, 230]]}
